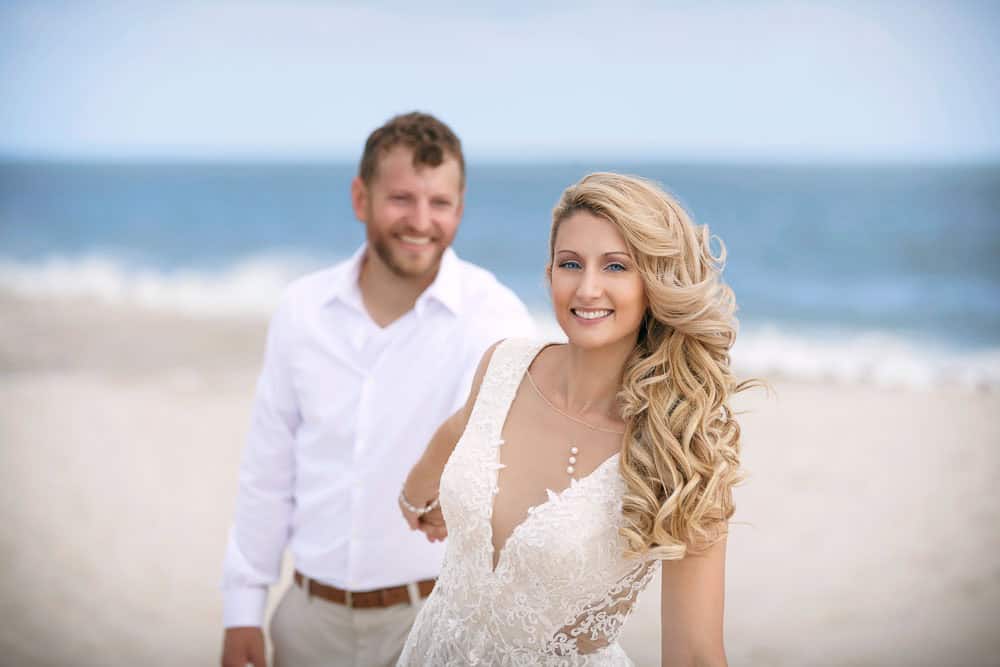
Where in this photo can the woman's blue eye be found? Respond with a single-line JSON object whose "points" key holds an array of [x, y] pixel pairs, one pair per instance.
{"points": [[615, 266], [569, 264]]}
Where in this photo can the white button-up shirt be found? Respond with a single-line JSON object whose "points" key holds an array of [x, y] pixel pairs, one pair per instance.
{"points": [[343, 410]]}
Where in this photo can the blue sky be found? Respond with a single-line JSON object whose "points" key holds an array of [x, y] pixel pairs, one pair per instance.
{"points": [[704, 80]]}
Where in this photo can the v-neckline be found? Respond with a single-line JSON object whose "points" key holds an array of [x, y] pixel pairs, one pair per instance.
{"points": [[551, 498], [496, 556]]}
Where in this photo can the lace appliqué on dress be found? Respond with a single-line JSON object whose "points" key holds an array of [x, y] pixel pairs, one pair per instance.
{"points": [[561, 590], [600, 623]]}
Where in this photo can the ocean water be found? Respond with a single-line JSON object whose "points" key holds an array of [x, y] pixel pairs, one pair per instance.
{"points": [[885, 274]]}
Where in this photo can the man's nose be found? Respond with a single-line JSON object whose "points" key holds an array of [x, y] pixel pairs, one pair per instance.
{"points": [[421, 218]]}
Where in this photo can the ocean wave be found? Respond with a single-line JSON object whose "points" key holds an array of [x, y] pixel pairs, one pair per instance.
{"points": [[777, 352], [248, 287], [866, 357], [254, 285]]}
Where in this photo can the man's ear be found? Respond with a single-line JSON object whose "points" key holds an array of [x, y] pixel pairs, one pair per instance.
{"points": [[359, 199], [461, 203]]}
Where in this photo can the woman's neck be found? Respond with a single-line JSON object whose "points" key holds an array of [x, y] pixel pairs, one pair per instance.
{"points": [[590, 379]]}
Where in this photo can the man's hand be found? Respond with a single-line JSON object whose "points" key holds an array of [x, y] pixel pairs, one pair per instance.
{"points": [[243, 646]]}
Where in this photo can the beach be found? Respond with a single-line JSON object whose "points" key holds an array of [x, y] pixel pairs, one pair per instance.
{"points": [[866, 533]]}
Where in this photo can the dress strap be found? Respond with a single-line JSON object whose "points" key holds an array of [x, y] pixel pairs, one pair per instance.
{"points": [[504, 373]]}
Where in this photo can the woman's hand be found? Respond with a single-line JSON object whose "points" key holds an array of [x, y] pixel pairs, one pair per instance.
{"points": [[420, 489], [433, 526]]}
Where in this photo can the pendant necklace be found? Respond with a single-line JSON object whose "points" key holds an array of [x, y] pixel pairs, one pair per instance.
{"points": [[573, 449]]}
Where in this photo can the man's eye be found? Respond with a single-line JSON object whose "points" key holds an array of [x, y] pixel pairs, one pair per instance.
{"points": [[400, 198], [569, 264]]}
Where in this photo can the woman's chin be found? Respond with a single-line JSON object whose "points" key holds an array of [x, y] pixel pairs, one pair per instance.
{"points": [[592, 339]]}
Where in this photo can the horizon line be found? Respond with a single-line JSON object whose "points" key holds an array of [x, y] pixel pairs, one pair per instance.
{"points": [[819, 159]]}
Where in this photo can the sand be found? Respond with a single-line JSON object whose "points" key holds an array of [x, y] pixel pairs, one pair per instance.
{"points": [[867, 535]]}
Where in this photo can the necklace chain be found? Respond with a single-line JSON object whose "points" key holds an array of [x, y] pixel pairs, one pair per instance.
{"points": [[565, 414]]}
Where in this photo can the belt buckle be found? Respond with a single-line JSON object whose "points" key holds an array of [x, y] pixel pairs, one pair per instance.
{"points": [[348, 598]]}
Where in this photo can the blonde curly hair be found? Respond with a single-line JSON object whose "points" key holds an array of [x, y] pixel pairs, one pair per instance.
{"points": [[680, 459]]}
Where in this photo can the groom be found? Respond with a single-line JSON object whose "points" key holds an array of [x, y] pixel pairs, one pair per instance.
{"points": [[363, 361]]}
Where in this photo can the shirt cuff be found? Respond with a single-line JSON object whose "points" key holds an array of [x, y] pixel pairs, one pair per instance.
{"points": [[243, 607]]}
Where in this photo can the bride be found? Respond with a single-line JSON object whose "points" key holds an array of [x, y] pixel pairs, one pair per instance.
{"points": [[575, 470]]}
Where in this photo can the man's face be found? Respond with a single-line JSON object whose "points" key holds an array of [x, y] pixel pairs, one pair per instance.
{"points": [[411, 213]]}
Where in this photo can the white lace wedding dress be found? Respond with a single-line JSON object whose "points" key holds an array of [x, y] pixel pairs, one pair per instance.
{"points": [[561, 590]]}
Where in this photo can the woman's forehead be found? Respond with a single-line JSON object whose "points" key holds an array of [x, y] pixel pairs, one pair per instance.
{"points": [[584, 232]]}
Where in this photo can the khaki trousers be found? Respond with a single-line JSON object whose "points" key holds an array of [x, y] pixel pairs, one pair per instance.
{"points": [[311, 632]]}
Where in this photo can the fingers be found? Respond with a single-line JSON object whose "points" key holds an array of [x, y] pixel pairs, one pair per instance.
{"points": [[436, 533], [244, 645], [258, 655], [433, 525]]}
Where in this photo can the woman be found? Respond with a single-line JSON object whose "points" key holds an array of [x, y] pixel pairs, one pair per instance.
{"points": [[574, 470]]}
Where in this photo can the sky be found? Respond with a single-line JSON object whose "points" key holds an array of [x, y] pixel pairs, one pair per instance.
{"points": [[709, 80]]}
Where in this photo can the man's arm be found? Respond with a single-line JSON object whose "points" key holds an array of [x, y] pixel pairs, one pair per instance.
{"points": [[264, 503]]}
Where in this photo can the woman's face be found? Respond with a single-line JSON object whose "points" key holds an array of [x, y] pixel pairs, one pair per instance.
{"points": [[597, 293]]}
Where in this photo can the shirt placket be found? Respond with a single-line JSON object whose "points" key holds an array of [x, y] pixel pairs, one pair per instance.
{"points": [[376, 342]]}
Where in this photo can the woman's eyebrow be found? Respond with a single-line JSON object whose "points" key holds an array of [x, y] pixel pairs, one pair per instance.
{"points": [[614, 255], [606, 254]]}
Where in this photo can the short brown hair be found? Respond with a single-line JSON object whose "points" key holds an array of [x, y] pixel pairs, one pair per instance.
{"points": [[431, 140]]}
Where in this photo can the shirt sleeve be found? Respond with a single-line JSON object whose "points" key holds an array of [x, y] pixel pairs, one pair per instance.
{"points": [[264, 503]]}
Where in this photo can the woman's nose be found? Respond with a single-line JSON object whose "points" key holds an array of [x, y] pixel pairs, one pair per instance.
{"points": [[590, 286]]}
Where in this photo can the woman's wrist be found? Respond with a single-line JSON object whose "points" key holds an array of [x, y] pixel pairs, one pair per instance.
{"points": [[410, 507], [421, 485]]}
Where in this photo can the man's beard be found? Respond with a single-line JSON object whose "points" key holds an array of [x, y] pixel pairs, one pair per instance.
{"points": [[384, 252]]}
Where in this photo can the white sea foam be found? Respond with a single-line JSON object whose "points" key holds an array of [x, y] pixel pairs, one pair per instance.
{"points": [[871, 357], [254, 285], [248, 287], [859, 357]]}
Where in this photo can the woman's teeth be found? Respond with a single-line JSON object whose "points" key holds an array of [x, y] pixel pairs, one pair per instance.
{"points": [[591, 314]]}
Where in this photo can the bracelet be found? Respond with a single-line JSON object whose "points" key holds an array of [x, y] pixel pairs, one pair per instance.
{"points": [[419, 511]]}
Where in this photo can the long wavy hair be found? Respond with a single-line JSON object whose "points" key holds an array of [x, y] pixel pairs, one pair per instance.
{"points": [[680, 458]]}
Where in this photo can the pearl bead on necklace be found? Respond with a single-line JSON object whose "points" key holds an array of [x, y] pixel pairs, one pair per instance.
{"points": [[573, 449]]}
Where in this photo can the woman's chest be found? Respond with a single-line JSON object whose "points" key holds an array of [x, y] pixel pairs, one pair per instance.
{"points": [[527, 525]]}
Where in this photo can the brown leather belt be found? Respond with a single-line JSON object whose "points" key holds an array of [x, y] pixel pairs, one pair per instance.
{"points": [[383, 597]]}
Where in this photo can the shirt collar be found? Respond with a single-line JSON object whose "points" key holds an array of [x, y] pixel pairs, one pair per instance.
{"points": [[446, 288], [345, 285]]}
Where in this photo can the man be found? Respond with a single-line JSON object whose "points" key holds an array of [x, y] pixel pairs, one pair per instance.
{"points": [[363, 361]]}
